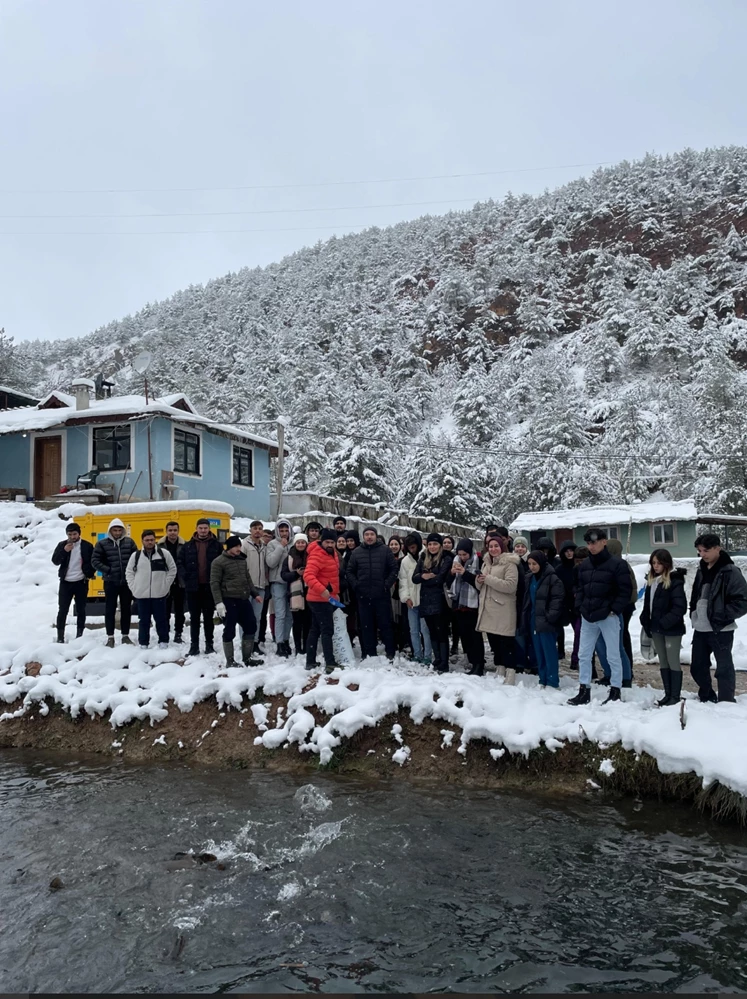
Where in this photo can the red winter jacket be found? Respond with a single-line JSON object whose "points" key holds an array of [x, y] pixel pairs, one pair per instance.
{"points": [[322, 571]]}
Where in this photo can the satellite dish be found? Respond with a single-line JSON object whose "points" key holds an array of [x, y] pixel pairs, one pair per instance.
{"points": [[142, 362]]}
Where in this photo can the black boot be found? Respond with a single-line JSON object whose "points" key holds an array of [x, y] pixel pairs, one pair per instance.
{"points": [[441, 665], [194, 650], [582, 697], [209, 647], [247, 653], [476, 670], [614, 695], [666, 682], [60, 640], [603, 681], [675, 687]]}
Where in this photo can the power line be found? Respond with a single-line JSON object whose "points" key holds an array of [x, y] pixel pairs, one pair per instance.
{"points": [[253, 211], [191, 232], [312, 184]]}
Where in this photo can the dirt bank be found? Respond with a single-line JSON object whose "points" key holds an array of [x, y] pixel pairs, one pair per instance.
{"points": [[209, 735]]}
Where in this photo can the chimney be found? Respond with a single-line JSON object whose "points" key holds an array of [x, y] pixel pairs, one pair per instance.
{"points": [[82, 389]]}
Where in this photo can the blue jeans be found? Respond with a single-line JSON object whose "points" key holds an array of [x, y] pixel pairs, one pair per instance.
{"points": [[418, 625], [601, 651], [155, 607], [283, 619], [546, 651], [609, 628]]}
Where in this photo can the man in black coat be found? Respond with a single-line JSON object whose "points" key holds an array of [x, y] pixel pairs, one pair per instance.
{"points": [[603, 590], [370, 574], [73, 556], [718, 598], [110, 557], [193, 565]]}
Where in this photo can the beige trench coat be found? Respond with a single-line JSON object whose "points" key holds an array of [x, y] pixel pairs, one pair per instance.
{"points": [[497, 608]]}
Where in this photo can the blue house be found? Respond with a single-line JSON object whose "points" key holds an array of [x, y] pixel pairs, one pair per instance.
{"points": [[156, 450]]}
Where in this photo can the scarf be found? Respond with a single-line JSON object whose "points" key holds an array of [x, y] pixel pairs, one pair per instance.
{"points": [[464, 596], [296, 588]]}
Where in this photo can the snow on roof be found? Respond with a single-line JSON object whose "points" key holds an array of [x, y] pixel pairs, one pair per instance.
{"points": [[29, 418], [157, 506], [7, 390], [600, 516]]}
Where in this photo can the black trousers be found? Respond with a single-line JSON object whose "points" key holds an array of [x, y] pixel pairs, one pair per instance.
{"points": [[201, 604], [375, 615], [68, 592], [301, 628], [322, 623], [175, 605], [263, 616], [237, 612], [152, 608], [720, 644], [473, 642], [503, 648], [438, 628], [112, 594]]}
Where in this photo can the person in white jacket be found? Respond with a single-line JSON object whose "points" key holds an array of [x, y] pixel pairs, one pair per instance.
{"points": [[149, 575], [409, 594]]}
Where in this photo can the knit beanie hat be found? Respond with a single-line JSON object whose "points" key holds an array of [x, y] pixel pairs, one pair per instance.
{"points": [[413, 539], [464, 545], [233, 542], [433, 536], [300, 537], [539, 557], [328, 534], [521, 540], [352, 536]]}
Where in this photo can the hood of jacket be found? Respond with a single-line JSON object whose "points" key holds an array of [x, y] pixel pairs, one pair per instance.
{"points": [[571, 544], [116, 522], [284, 523], [505, 558], [723, 560]]}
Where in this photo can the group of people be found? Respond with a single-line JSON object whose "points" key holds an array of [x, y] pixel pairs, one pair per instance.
{"points": [[423, 600]]}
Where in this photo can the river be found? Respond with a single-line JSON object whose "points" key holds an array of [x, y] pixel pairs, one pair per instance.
{"points": [[337, 886]]}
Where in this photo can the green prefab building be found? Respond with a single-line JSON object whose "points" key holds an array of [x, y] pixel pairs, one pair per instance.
{"points": [[640, 527]]}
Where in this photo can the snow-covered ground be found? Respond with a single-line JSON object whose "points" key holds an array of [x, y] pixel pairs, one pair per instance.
{"points": [[130, 683]]}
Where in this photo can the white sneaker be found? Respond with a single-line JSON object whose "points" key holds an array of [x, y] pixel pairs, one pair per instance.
{"points": [[500, 670], [510, 677], [163, 645], [143, 646]]}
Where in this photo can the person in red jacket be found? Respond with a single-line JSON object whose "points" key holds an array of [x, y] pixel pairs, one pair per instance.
{"points": [[322, 577]]}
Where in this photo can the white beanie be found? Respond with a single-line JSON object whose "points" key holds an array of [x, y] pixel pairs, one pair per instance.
{"points": [[300, 537]]}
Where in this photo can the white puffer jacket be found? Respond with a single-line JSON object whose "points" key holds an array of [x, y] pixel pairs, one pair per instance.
{"points": [[150, 577], [407, 589]]}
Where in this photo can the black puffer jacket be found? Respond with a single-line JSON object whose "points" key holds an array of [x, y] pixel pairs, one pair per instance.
{"points": [[603, 586], [549, 602], [432, 595], [61, 558], [565, 573], [727, 599], [187, 564], [110, 558], [667, 616], [371, 571]]}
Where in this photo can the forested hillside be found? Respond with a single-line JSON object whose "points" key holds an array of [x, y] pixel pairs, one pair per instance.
{"points": [[583, 346]]}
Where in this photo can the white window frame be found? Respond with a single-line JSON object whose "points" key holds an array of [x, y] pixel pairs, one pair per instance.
{"points": [[107, 426], [244, 447], [662, 524], [613, 527], [197, 433]]}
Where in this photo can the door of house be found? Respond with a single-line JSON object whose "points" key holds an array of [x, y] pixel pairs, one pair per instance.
{"points": [[563, 534], [47, 466]]}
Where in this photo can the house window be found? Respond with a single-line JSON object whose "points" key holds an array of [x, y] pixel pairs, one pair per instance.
{"points": [[111, 447], [613, 532], [663, 534], [186, 452], [243, 466]]}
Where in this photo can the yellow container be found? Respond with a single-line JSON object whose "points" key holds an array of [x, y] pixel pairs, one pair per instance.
{"points": [[136, 517]]}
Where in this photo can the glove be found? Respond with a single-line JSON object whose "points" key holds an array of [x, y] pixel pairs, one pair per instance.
{"points": [[220, 610], [336, 604]]}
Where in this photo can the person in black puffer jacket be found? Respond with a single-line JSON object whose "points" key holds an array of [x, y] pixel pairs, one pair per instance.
{"points": [[663, 617], [431, 573], [370, 574], [110, 557], [603, 590], [542, 610], [565, 573]]}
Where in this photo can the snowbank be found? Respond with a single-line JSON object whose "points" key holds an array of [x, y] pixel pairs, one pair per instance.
{"points": [[126, 683]]}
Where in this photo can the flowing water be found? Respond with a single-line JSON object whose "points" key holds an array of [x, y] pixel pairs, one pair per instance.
{"points": [[340, 886]]}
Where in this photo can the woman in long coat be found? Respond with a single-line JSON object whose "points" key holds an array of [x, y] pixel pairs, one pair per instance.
{"points": [[496, 617]]}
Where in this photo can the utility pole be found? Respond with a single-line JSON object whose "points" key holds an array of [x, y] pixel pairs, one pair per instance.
{"points": [[150, 455], [279, 473]]}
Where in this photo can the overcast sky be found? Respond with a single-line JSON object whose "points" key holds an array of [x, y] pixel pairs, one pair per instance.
{"points": [[108, 108]]}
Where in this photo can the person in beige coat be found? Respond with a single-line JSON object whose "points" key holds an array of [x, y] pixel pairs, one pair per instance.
{"points": [[496, 617]]}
